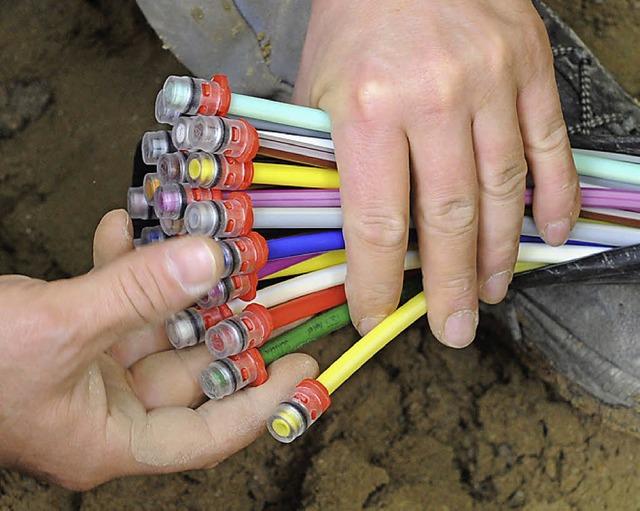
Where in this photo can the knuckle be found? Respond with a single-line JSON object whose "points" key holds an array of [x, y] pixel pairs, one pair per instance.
{"points": [[382, 231], [507, 184], [451, 215], [139, 289], [370, 97], [553, 139]]}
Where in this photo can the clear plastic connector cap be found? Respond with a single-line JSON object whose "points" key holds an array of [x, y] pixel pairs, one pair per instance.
{"points": [[182, 93], [155, 144], [180, 134], [173, 226], [287, 423], [172, 168], [225, 339], [169, 201], [209, 134], [137, 205], [150, 184], [202, 218], [185, 329], [152, 234], [217, 296], [165, 114], [219, 379]]}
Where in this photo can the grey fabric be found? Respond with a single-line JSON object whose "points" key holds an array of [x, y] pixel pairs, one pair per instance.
{"points": [[257, 44]]}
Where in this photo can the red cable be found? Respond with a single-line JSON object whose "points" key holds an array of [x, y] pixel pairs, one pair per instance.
{"points": [[307, 305]]}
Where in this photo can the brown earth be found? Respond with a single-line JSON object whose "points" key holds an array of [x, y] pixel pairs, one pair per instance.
{"points": [[420, 427]]}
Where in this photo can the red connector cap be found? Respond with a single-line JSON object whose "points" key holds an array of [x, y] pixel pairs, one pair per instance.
{"points": [[214, 315], [313, 396], [244, 142], [245, 287], [216, 96], [239, 215]]}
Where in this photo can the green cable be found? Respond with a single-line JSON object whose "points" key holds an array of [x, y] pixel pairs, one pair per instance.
{"points": [[318, 326], [321, 325], [282, 113], [607, 168]]}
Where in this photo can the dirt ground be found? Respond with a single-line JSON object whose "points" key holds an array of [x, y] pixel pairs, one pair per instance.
{"points": [[421, 427]]}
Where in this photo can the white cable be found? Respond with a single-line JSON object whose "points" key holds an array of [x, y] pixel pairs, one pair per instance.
{"points": [[591, 232], [308, 283], [297, 218], [540, 253]]}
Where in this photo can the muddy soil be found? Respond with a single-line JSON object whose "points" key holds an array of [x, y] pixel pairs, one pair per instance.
{"points": [[420, 427]]}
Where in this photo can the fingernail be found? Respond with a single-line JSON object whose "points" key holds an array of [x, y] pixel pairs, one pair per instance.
{"points": [[495, 287], [194, 266], [556, 233], [369, 323], [460, 329]]}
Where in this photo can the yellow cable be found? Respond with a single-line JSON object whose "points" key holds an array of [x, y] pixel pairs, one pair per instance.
{"points": [[356, 356], [294, 175], [318, 262]]}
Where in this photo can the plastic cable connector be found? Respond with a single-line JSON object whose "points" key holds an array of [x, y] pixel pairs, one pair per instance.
{"points": [[187, 328], [294, 416], [218, 171], [171, 200], [248, 329], [246, 254], [221, 219], [224, 377], [243, 287]]}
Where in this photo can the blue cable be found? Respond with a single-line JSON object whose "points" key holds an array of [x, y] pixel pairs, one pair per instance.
{"points": [[313, 243]]}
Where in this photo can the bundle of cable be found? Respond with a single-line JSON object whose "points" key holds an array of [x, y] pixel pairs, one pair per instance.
{"points": [[231, 165]]}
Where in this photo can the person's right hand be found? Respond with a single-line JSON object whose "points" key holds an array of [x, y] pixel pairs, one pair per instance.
{"points": [[91, 388], [452, 101]]}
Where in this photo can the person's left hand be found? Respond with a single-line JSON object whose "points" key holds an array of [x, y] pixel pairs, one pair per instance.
{"points": [[90, 387]]}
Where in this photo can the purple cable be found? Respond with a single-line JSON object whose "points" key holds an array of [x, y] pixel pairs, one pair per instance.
{"points": [[280, 264], [294, 198], [604, 198]]}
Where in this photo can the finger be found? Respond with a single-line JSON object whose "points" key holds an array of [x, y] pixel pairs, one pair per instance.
{"points": [[113, 237], [372, 156], [502, 169], [170, 378], [174, 438], [447, 220], [140, 289], [556, 199], [139, 344]]}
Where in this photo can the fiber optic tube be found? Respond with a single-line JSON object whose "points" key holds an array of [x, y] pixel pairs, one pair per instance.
{"points": [[607, 168], [278, 265], [213, 97], [313, 263], [309, 283], [278, 174], [297, 218], [309, 198], [603, 198], [605, 234], [305, 244], [312, 397], [251, 327]]}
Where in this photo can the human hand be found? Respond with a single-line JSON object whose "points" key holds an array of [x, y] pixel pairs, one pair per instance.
{"points": [[457, 99], [90, 387]]}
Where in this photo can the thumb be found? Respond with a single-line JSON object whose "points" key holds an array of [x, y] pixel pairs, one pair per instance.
{"points": [[142, 288]]}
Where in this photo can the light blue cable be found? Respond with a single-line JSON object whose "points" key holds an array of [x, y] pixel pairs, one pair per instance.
{"points": [[282, 113], [607, 168]]}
